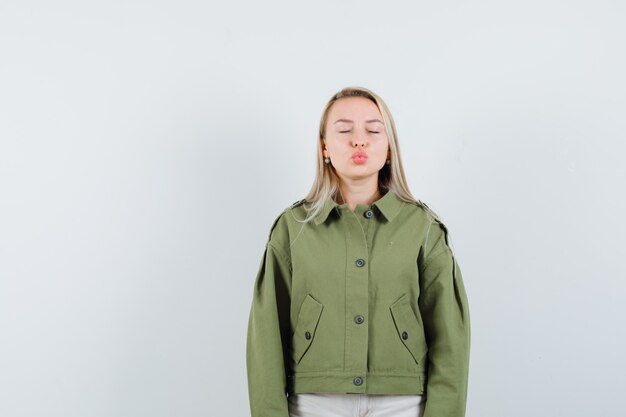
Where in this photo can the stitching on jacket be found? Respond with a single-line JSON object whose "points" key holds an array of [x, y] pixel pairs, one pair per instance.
{"points": [[425, 291], [431, 258], [281, 253], [291, 243], [427, 235], [296, 238], [391, 372]]}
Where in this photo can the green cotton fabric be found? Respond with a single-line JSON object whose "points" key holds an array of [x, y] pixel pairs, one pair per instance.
{"points": [[370, 301]]}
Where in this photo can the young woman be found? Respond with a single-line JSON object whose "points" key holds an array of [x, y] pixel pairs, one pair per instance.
{"points": [[359, 307]]}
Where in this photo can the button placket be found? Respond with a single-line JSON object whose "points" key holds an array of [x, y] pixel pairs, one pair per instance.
{"points": [[357, 293]]}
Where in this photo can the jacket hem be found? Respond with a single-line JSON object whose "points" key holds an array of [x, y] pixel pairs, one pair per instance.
{"points": [[371, 383]]}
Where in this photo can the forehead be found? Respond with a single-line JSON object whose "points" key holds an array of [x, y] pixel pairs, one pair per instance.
{"points": [[353, 108]]}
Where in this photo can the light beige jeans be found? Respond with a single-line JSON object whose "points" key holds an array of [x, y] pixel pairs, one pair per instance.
{"points": [[355, 405]]}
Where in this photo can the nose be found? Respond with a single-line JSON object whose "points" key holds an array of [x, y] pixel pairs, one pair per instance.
{"points": [[359, 140]]}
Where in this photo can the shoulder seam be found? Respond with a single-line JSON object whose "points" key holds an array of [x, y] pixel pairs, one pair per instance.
{"points": [[281, 253], [431, 258], [427, 235]]}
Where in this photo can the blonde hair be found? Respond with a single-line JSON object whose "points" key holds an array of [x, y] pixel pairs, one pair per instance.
{"points": [[390, 177]]}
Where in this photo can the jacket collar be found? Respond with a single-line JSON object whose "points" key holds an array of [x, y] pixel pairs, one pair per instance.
{"points": [[389, 205]]}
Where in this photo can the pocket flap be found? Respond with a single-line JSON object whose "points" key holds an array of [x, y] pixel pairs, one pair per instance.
{"points": [[409, 328], [308, 318]]}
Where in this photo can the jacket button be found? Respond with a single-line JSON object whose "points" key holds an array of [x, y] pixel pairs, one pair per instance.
{"points": [[307, 335], [360, 262], [358, 380], [368, 214], [359, 319], [405, 335]]}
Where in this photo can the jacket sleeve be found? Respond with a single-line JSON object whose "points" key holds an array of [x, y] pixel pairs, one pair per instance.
{"points": [[445, 312], [267, 335]]}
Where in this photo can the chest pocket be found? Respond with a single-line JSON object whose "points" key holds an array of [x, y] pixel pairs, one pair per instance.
{"points": [[410, 329], [304, 333]]}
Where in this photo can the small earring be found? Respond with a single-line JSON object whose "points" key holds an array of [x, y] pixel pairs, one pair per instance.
{"points": [[327, 160], [388, 162]]}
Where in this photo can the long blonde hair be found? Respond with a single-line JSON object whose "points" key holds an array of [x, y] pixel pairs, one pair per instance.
{"points": [[390, 177]]}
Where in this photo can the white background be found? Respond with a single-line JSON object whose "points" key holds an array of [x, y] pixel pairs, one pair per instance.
{"points": [[147, 147]]}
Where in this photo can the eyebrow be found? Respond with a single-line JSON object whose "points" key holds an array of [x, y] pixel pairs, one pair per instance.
{"points": [[350, 121]]}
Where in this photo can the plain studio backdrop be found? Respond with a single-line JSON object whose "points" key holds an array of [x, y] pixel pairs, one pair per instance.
{"points": [[147, 147]]}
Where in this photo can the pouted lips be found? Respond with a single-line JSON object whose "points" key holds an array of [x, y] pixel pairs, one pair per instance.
{"points": [[359, 157]]}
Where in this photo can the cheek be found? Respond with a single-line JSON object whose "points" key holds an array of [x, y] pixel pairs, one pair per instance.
{"points": [[338, 145], [382, 145]]}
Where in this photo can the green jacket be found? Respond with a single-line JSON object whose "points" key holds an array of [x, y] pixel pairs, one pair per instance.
{"points": [[370, 301]]}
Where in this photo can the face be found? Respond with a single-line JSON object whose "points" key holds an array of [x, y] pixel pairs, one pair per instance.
{"points": [[356, 141]]}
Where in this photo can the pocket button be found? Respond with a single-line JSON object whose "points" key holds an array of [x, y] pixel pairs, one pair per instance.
{"points": [[307, 335]]}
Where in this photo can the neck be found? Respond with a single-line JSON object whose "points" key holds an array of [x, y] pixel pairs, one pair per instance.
{"points": [[353, 196]]}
